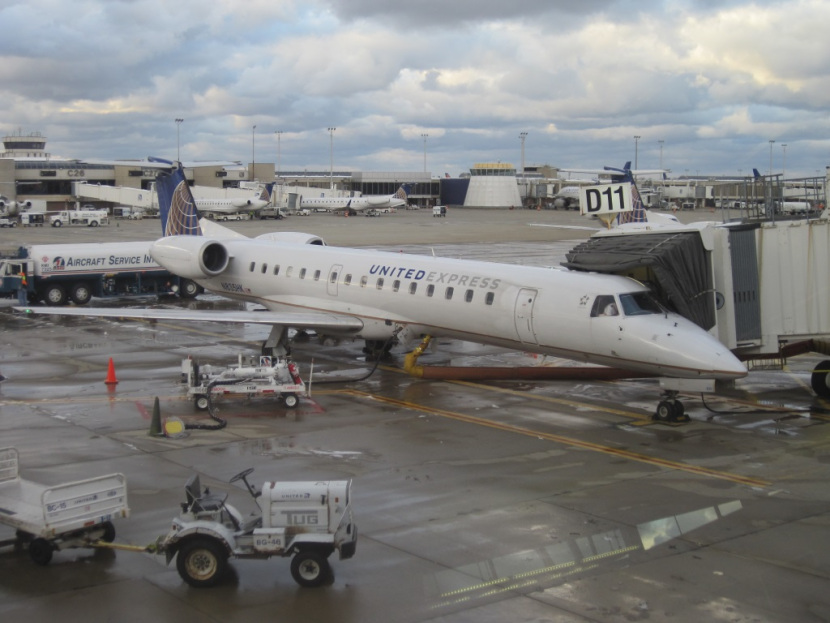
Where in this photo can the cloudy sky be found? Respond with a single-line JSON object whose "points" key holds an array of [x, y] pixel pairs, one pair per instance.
{"points": [[715, 80]]}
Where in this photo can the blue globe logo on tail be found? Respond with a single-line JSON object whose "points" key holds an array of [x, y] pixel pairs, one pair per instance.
{"points": [[177, 209]]}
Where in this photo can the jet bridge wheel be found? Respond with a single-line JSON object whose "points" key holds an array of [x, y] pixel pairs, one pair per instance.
{"points": [[820, 379]]}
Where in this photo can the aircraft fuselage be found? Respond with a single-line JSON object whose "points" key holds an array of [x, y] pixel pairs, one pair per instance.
{"points": [[542, 310]]}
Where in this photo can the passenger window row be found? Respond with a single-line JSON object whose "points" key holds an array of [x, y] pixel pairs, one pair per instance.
{"points": [[449, 291]]}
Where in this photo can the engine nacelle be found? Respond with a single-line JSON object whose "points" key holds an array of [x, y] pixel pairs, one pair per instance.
{"points": [[191, 257], [295, 237]]}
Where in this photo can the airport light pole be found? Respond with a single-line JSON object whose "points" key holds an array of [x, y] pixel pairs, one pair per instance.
{"points": [[425, 136], [331, 157], [279, 154], [661, 141], [771, 141], [637, 151], [522, 137], [253, 154], [178, 144], [784, 161]]}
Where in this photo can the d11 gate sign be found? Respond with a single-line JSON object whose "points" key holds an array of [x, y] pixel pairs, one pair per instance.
{"points": [[606, 200]]}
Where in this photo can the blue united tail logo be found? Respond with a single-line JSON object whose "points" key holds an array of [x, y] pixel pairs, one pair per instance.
{"points": [[177, 209], [638, 214]]}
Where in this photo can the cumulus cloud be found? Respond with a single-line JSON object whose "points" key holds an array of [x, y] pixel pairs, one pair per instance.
{"points": [[103, 78]]}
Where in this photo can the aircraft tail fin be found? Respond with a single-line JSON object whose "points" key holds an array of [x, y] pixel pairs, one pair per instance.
{"points": [[638, 214], [177, 208], [403, 192], [265, 195], [755, 173]]}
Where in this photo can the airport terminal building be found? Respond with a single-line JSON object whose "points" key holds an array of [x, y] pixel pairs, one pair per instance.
{"points": [[29, 173]]}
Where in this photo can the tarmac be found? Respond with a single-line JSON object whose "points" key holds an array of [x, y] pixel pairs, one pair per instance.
{"points": [[475, 502]]}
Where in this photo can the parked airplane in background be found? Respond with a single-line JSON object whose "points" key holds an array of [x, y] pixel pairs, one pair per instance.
{"points": [[221, 209], [356, 204], [567, 198], [385, 297], [13, 208]]}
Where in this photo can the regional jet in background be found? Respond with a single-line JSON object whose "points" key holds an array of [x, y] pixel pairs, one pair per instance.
{"points": [[385, 298], [225, 209], [356, 204], [567, 198]]}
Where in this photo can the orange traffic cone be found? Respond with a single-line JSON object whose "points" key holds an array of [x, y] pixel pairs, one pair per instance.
{"points": [[111, 380]]}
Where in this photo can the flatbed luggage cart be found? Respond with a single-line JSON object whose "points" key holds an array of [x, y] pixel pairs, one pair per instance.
{"points": [[51, 518]]}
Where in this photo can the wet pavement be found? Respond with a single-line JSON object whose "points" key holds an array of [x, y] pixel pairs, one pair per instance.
{"points": [[497, 501]]}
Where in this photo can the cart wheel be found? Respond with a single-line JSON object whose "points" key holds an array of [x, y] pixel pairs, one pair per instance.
{"points": [[40, 551], [109, 532], [291, 400], [201, 403], [201, 562], [310, 569]]}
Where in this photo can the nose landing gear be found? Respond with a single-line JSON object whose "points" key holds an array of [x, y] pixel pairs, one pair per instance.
{"points": [[670, 409]]}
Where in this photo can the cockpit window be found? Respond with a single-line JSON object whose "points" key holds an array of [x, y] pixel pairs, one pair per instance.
{"points": [[639, 304], [604, 305]]}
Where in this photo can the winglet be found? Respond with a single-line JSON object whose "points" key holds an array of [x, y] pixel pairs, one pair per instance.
{"points": [[177, 209]]}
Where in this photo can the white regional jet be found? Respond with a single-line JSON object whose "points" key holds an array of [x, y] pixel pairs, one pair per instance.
{"points": [[356, 204], [221, 208], [379, 296]]}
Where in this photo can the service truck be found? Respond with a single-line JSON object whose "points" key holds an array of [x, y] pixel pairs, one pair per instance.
{"points": [[59, 273], [84, 216]]}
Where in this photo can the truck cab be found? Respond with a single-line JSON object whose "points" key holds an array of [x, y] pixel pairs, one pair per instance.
{"points": [[11, 275]]}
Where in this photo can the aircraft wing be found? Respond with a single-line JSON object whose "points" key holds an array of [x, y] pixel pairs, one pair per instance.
{"points": [[298, 320]]}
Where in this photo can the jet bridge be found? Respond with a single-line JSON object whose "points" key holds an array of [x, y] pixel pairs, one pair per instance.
{"points": [[675, 265], [760, 287]]}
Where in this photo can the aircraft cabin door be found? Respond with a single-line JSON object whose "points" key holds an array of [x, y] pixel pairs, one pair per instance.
{"points": [[524, 316], [334, 278]]}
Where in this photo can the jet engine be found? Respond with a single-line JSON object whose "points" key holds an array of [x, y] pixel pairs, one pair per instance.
{"points": [[295, 237], [191, 257]]}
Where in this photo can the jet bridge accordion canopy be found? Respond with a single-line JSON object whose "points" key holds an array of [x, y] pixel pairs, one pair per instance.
{"points": [[674, 265]]}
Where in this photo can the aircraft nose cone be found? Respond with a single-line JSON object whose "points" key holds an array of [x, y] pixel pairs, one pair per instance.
{"points": [[710, 357]]}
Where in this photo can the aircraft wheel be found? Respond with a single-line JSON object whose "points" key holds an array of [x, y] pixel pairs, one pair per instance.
{"points": [[665, 411], [820, 379], [40, 551], [291, 400], [201, 562], [310, 569], [679, 412]]}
